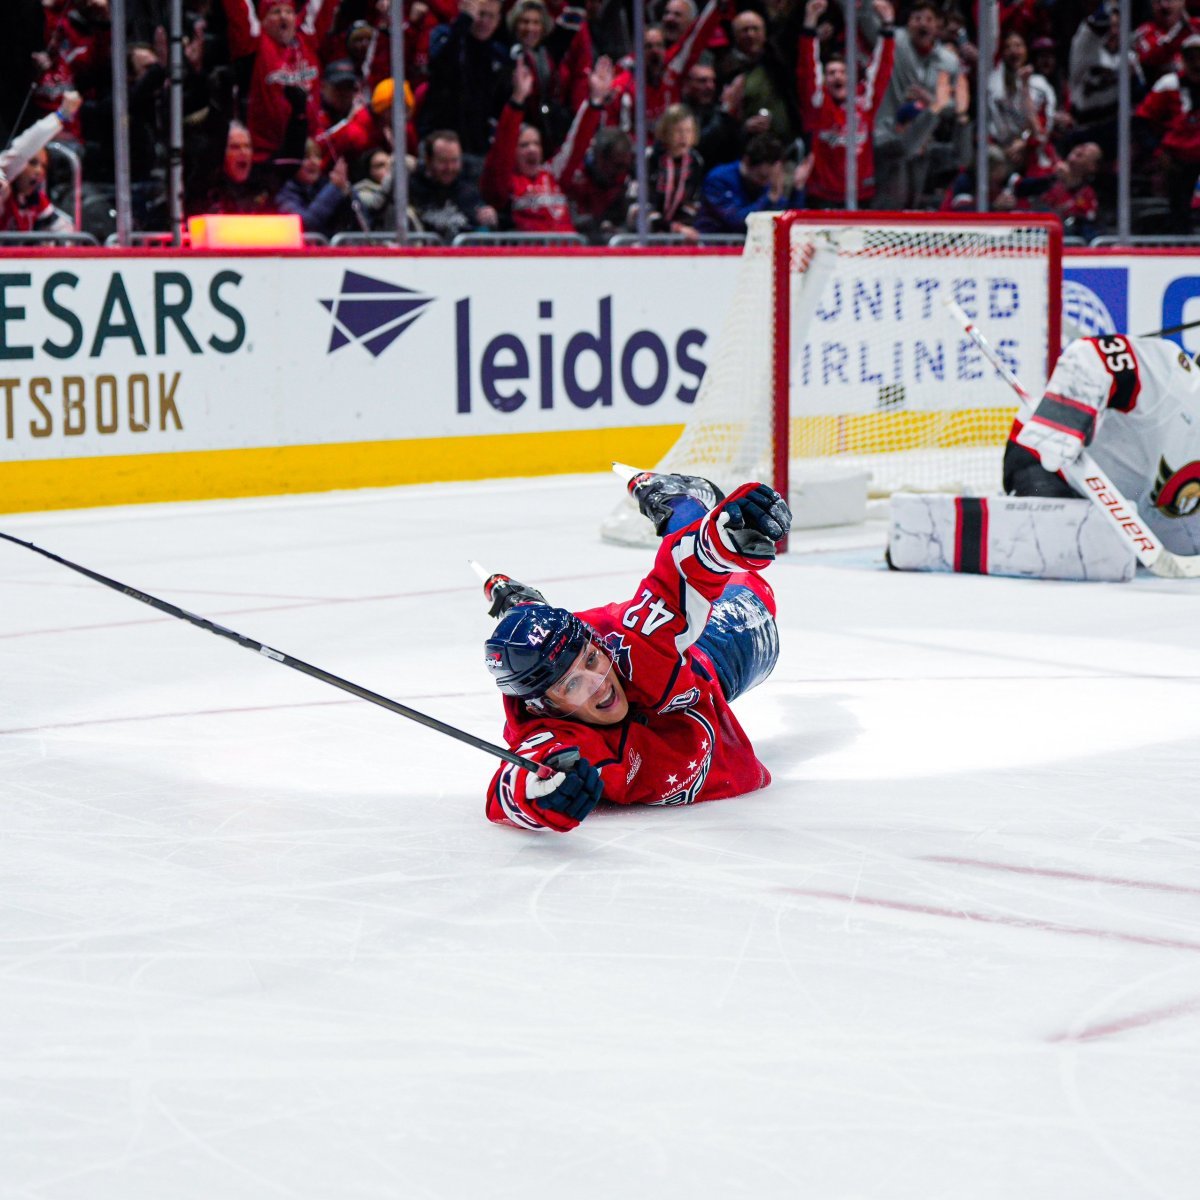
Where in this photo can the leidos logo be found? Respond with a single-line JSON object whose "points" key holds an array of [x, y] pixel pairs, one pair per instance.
{"points": [[371, 312]]}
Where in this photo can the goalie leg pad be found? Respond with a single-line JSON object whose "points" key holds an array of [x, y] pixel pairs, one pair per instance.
{"points": [[1027, 537]]}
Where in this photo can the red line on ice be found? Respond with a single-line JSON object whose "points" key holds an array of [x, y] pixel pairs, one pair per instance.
{"points": [[1133, 1021], [1056, 873], [316, 602], [212, 712], [960, 914]]}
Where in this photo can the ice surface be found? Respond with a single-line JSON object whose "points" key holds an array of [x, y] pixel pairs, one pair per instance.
{"points": [[257, 939]]}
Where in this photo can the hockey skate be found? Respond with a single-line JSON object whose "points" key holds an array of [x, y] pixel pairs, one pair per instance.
{"points": [[661, 497], [502, 592]]}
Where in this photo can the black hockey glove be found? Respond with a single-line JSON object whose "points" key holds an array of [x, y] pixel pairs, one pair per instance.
{"points": [[573, 789], [756, 521], [504, 593]]}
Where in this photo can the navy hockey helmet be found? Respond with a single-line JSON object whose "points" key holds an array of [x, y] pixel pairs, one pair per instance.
{"points": [[532, 649]]}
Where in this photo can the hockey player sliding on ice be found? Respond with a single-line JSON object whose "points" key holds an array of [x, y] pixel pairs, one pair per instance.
{"points": [[1134, 402], [629, 702]]}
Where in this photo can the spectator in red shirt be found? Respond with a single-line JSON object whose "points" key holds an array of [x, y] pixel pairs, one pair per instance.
{"points": [[516, 180], [78, 58], [286, 55], [1158, 42], [666, 68], [1066, 190], [367, 128], [823, 95], [1170, 116], [597, 191]]}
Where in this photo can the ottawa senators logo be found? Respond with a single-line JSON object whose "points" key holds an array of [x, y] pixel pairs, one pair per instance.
{"points": [[1177, 493]]}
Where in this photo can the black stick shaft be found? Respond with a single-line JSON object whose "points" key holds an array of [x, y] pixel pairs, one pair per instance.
{"points": [[173, 610], [1173, 329]]}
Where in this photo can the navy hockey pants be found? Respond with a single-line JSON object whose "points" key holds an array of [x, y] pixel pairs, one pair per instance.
{"points": [[740, 640]]}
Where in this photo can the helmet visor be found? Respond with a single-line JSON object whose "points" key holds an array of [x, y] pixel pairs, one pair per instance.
{"points": [[589, 676]]}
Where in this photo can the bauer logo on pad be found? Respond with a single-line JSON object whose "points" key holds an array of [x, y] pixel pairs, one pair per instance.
{"points": [[372, 312]]}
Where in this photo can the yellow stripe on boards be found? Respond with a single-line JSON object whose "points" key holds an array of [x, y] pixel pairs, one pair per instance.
{"points": [[214, 474]]}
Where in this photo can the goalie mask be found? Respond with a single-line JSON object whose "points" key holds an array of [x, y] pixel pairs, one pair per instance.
{"points": [[533, 648]]}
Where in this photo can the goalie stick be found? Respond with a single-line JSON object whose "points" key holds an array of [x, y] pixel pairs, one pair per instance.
{"points": [[1088, 479], [286, 660]]}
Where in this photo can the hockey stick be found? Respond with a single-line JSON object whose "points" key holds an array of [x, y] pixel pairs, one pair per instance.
{"points": [[286, 660], [1087, 478], [1172, 329]]}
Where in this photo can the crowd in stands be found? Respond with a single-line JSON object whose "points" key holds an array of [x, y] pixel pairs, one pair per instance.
{"points": [[519, 115]]}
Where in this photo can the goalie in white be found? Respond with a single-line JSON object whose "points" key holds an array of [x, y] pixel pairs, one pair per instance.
{"points": [[1134, 402]]}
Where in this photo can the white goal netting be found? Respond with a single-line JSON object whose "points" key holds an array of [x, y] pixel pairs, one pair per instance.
{"points": [[866, 369]]}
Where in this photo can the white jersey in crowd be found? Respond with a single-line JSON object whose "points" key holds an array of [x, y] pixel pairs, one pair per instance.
{"points": [[1138, 401]]}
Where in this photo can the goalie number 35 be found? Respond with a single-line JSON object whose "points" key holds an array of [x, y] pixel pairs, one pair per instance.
{"points": [[1117, 354]]}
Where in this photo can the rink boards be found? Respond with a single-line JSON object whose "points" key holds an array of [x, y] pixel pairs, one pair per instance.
{"points": [[146, 377]]}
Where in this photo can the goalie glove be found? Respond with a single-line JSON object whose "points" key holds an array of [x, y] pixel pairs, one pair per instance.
{"points": [[1054, 445], [567, 785], [752, 520]]}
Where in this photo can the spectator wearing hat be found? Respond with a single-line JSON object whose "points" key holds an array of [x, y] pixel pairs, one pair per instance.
{"points": [[286, 55], [367, 128], [341, 92], [1043, 55], [368, 47], [441, 198], [1166, 119], [517, 180], [1159, 41], [468, 76]]}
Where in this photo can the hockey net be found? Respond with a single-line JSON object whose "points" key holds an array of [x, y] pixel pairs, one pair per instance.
{"points": [[837, 355]]}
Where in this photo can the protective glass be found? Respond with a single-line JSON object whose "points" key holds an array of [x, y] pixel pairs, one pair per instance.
{"points": [[589, 675]]}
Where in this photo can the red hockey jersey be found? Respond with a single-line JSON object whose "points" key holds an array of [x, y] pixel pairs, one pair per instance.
{"points": [[278, 67], [536, 203], [825, 121], [1170, 109], [680, 742]]}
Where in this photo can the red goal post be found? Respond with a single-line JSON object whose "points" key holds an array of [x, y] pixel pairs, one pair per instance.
{"points": [[837, 360]]}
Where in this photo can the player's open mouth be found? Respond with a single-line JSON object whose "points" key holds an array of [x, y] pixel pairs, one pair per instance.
{"points": [[609, 700]]}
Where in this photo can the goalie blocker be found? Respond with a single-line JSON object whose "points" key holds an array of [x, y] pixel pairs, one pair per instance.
{"points": [[1023, 536]]}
